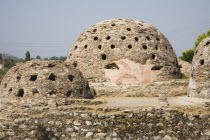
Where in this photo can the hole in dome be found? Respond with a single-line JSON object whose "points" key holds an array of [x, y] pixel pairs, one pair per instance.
{"points": [[153, 56], [202, 62], [136, 39], [108, 37], [207, 43], [75, 47], [156, 47], [5, 85], [20, 93], [33, 77], [94, 30], [75, 64], [129, 46], [70, 77], [166, 47], [99, 47], [18, 78], [68, 93], [128, 29], [156, 67], [103, 56], [112, 46], [123, 37], [95, 38], [113, 24], [51, 65], [147, 37], [196, 52], [111, 66], [144, 47], [158, 39], [52, 77], [10, 90], [85, 46], [53, 92]]}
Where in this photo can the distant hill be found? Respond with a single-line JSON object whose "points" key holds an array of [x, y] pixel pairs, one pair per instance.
{"points": [[9, 56]]}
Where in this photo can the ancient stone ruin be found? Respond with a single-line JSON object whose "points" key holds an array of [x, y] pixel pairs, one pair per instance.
{"points": [[124, 51], [199, 85], [45, 79]]}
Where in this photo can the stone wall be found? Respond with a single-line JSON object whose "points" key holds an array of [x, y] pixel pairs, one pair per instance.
{"points": [[168, 88], [143, 124], [186, 67]]}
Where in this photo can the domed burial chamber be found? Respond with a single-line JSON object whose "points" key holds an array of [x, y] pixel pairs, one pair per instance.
{"points": [[45, 79], [199, 85], [124, 51]]}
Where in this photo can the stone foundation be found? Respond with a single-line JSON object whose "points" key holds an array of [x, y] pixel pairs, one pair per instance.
{"points": [[143, 124], [168, 88]]}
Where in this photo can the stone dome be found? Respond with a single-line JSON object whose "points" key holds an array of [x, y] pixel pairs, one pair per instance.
{"points": [[45, 78], [199, 85], [124, 50]]}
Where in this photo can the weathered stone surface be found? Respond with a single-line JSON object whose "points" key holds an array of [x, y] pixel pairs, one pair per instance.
{"points": [[122, 51], [199, 85], [38, 78], [168, 88], [185, 67], [149, 123]]}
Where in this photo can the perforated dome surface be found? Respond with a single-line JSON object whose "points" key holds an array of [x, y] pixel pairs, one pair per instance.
{"points": [[199, 85], [38, 78], [121, 50]]}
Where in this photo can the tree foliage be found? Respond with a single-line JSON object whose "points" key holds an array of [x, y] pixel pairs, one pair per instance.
{"points": [[188, 54], [28, 56], [201, 37], [38, 57]]}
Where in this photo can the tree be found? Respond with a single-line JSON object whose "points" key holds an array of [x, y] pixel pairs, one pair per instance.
{"points": [[188, 54], [38, 57], [28, 56], [201, 37]]}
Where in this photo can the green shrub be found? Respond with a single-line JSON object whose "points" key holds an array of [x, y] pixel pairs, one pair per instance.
{"points": [[185, 76]]}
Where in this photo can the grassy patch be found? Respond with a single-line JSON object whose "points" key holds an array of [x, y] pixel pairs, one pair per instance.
{"points": [[184, 76], [181, 94], [137, 95]]}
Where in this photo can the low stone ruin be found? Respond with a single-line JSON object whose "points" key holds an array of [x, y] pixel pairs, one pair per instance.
{"points": [[199, 85], [38, 78]]}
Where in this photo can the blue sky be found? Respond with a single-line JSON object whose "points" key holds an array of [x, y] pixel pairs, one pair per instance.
{"points": [[50, 27]]}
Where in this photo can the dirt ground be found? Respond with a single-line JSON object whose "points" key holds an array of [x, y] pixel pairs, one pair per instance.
{"points": [[152, 101]]}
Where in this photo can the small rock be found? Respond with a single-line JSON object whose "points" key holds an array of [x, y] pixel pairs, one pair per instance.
{"points": [[114, 134], [101, 135], [77, 123], [11, 133], [88, 123], [89, 134], [167, 138], [22, 126], [84, 115], [69, 130]]}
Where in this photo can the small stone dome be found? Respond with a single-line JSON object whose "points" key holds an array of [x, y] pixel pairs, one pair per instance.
{"points": [[124, 50], [45, 78], [199, 85]]}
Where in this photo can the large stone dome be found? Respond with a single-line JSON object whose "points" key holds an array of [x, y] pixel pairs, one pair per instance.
{"points": [[45, 79], [124, 50], [199, 85]]}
